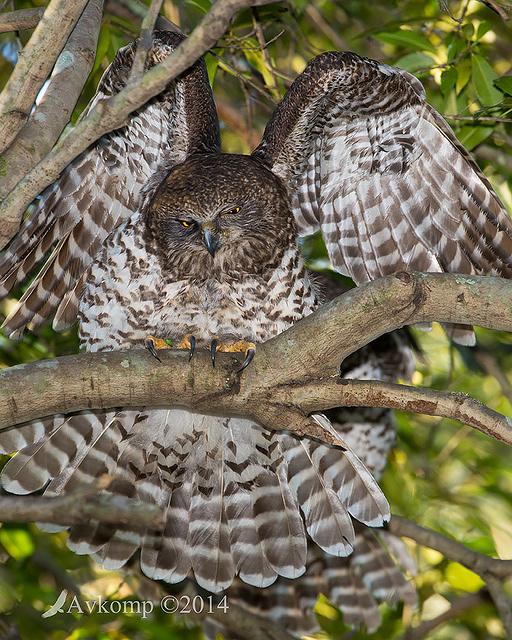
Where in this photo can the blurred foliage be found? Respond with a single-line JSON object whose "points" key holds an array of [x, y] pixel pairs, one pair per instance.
{"points": [[441, 474]]}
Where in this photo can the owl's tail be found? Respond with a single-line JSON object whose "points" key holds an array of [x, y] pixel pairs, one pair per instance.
{"points": [[375, 572], [237, 500]]}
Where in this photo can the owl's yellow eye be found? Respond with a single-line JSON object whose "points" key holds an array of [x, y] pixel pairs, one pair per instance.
{"points": [[185, 223], [232, 211]]}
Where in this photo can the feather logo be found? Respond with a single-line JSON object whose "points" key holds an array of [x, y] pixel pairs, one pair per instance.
{"points": [[57, 607]]}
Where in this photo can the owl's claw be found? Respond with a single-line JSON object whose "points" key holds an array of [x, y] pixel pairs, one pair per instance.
{"points": [[188, 342], [213, 348], [248, 348], [192, 341], [152, 344], [249, 355]]}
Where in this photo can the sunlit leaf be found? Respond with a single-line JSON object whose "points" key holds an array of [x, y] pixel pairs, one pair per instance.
{"points": [[17, 542], [462, 578], [463, 74], [483, 77], [482, 29]]}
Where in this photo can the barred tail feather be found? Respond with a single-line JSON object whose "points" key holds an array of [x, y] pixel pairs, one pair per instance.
{"points": [[232, 493]]}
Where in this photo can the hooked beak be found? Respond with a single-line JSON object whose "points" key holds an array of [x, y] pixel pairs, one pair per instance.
{"points": [[211, 240]]}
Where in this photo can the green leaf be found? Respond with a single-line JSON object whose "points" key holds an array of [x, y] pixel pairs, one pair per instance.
{"points": [[463, 74], [415, 61], [472, 136], [504, 84], [483, 76], [17, 543], [482, 29], [212, 64], [448, 80], [468, 30], [454, 47], [406, 39], [462, 578]]}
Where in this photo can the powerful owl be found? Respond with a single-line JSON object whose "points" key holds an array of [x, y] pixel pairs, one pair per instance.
{"points": [[153, 231]]}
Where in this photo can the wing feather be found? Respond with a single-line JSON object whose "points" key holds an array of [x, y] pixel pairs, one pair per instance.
{"points": [[101, 187], [379, 171]]}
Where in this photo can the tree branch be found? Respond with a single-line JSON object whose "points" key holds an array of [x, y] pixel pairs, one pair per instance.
{"points": [[493, 571], [111, 113], [34, 65], [481, 564], [466, 603], [47, 121], [20, 20], [291, 376], [82, 506]]}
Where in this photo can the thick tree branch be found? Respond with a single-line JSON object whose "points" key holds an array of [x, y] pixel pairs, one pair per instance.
{"points": [[53, 112], [291, 376], [111, 113], [34, 65]]}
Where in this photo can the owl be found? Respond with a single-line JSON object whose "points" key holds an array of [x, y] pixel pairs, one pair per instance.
{"points": [[154, 232]]}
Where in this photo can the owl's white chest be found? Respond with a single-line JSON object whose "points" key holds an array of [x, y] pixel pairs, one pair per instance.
{"points": [[127, 296]]}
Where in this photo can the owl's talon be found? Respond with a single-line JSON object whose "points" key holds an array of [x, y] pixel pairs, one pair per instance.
{"points": [[152, 344], [213, 348], [192, 342], [249, 355], [188, 342]]}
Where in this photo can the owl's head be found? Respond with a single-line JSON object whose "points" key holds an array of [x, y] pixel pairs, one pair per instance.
{"points": [[218, 213]]}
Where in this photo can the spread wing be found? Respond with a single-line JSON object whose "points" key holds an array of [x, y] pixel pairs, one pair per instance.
{"points": [[379, 171], [100, 188]]}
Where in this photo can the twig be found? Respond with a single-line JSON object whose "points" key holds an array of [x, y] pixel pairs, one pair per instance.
{"points": [[497, 8], [20, 20], [502, 602], [145, 40], [476, 119], [481, 564], [264, 51], [492, 570], [242, 78], [466, 603], [78, 507]]}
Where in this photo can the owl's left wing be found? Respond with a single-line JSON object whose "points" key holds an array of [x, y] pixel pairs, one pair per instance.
{"points": [[379, 171], [101, 187]]}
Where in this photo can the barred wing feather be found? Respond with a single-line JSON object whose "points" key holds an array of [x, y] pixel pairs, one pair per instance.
{"points": [[378, 170]]}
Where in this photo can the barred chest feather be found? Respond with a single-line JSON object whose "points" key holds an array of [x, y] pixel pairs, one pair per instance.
{"points": [[128, 296]]}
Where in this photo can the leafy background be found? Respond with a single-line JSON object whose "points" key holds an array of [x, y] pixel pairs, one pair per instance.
{"points": [[441, 474]]}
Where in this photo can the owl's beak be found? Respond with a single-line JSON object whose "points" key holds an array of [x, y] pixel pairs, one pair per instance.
{"points": [[211, 240]]}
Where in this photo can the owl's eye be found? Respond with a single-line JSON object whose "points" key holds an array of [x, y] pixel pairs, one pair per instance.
{"points": [[231, 211], [187, 223]]}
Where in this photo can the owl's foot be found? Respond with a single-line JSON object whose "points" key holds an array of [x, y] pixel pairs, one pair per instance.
{"points": [[152, 344], [248, 348]]}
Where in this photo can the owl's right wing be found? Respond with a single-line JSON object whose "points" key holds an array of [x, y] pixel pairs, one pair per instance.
{"points": [[101, 187]]}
